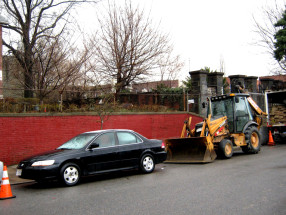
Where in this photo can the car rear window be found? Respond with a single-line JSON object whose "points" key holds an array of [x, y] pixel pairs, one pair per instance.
{"points": [[127, 138]]}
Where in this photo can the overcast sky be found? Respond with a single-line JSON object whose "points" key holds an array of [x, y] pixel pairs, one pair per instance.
{"points": [[206, 32]]}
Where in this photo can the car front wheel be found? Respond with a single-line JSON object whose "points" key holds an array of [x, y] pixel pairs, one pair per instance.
{"points": [[70, 174], [147, 163]]}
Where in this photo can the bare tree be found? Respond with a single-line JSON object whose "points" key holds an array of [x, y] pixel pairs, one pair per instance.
{"points": [[34, 35], [59, 64], [104, 109], [266, 30], [169, 67], [129, 46]]}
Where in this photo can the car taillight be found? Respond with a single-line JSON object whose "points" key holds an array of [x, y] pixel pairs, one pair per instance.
{"points": [[163, 145]]}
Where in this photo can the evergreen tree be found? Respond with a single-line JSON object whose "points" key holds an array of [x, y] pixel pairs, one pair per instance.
{"points": [[280, 39]]}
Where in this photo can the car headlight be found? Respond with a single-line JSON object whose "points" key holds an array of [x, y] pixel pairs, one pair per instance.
{"points": [[44, 163]]}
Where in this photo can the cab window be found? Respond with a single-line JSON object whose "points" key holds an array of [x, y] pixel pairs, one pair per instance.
{"points": [[223, 108], [242, 116], [127, 138]]}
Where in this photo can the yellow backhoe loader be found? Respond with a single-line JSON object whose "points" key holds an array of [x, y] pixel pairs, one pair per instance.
{"points": [[233, 120]]}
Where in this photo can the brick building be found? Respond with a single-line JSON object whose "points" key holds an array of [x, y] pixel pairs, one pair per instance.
{"points": [[12, 78], [274, 82]]}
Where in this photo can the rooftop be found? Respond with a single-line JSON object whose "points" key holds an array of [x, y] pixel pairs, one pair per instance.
{"points": [[274, 77]]}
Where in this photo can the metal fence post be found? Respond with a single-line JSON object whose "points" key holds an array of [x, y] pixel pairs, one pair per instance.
{"points": [[188, 108]]}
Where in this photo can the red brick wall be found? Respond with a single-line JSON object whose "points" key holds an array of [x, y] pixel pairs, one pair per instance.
{"points": [[23, 136]]}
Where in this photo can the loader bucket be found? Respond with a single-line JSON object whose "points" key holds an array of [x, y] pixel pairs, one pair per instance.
{"points": [[189, 150]]}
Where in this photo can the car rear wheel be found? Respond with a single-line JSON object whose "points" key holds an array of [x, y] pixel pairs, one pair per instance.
{"points": [[147, 163], [70, 174]]}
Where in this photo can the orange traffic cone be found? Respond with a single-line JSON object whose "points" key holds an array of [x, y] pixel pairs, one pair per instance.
{"points": [[5, 192], [271, 141]]}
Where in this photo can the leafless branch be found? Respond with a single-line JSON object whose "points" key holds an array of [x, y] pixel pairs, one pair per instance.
{"points": [[39, 27], [266, 30], [129, 46]]}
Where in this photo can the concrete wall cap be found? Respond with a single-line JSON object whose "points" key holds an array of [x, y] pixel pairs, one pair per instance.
{"points": [[237, 76], [251, 77], [198, 72], [216, 74]]}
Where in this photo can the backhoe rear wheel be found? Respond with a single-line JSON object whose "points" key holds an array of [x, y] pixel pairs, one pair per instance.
{"points": [[252, 138], [225, 149]]}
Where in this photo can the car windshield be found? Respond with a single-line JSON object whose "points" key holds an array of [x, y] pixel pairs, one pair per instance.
{"points": [[77, 142]]}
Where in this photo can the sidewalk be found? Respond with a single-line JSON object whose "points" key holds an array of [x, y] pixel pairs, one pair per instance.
{"points": [[13, 179]]}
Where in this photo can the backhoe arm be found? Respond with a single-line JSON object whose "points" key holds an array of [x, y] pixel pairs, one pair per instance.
{"points": [[186, 131], [252, 103], [255, 107]]}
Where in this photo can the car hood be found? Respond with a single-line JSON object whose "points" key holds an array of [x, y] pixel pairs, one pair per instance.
{"points": [[51, 155]]}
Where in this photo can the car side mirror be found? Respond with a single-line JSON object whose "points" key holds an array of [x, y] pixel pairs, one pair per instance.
{"points": [[236, 100], [93, 146]]}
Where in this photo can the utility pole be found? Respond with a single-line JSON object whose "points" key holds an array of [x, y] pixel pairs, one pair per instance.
{"points": [[2, 22]]}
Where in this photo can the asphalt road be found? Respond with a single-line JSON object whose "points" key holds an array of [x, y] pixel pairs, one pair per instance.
{"points": [[244, 184]]}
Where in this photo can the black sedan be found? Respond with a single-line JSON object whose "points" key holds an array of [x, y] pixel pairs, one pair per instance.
{"points": [[94, 152]]}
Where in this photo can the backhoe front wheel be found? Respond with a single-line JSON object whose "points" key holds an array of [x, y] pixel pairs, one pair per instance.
{"points": [[225, 149], [252, 138]]}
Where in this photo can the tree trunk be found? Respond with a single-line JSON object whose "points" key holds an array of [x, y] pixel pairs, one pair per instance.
{"points": [[28, 90]]}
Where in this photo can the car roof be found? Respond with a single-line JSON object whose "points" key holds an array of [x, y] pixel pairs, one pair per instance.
{"points": [[106, 130]]}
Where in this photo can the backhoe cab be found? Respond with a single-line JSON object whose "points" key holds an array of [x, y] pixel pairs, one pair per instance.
{"points": [[232, 121]]}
